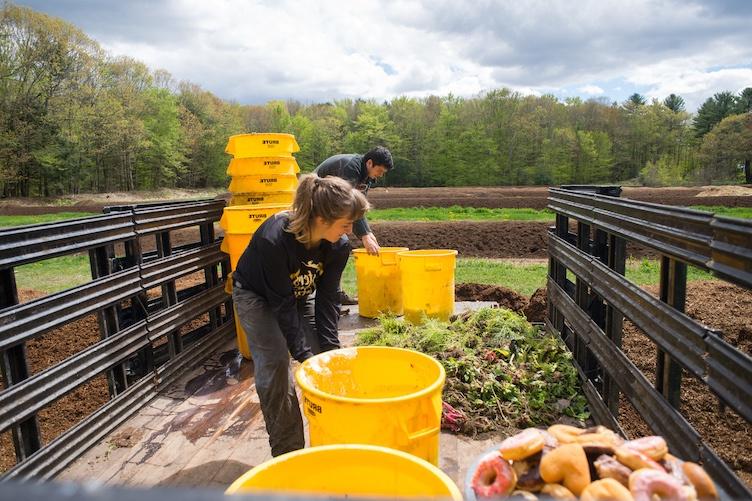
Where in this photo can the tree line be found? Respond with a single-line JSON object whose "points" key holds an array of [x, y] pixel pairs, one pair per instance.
{"points": [[76, 119]]}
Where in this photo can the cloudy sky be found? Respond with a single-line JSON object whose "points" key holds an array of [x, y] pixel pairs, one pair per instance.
{"points": [[252, 51]]}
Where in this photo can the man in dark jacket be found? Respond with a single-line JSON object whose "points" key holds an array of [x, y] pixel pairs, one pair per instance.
{"points": [[361, 171]]}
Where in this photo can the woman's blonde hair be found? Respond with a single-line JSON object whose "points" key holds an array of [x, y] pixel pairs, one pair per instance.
{"points": [[329, 198]]}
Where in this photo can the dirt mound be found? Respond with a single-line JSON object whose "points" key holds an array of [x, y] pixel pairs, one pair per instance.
{"points": [[726, 191], [507, 298], [500, 239], [536, 307]]}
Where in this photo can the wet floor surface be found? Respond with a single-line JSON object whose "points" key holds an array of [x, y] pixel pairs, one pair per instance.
{"points": [[207, 429]]}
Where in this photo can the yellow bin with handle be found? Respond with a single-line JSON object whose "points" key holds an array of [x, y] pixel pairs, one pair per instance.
{"points": [[374, 395], [379, 282], [360, 471], [263, 183], [262, 165], [239, 222], [428, 283], [264, 198], [261, 145]]}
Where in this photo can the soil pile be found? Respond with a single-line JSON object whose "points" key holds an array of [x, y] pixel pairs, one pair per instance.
{"points": [[505, 297]]}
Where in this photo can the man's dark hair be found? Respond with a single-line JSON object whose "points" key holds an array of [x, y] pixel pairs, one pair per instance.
{"points": [[380, 156]]}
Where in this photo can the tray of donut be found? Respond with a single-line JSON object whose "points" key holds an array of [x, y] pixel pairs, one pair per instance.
{"points": [[566, 462]]}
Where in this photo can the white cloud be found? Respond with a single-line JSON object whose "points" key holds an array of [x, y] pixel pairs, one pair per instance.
{"points": [[253, 51], [591, 90]]}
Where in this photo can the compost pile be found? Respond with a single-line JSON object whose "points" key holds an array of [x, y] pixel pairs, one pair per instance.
{"points": [[501, 370]]}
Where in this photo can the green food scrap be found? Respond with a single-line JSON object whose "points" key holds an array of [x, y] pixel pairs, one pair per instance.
{"points": [[501, 370]]}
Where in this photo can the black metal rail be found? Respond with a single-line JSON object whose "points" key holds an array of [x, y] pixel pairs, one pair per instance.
{"points": [[131, 324], [588, 313]]}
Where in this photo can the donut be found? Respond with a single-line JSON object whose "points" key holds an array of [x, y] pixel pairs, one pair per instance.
{"points": [[647, 484], [699, 478], [564, 433], [494, 477], [608, 467], [522, 445], [606, 489], [653, 447], [568, 465], [635, 459]]}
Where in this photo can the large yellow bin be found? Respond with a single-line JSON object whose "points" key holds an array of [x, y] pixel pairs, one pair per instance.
{"points": [[348, 471], [428, 283], [374, 395], [263, 182], [379, 282], [258, 198], [239, 223], [261, 145], [263, 165]]}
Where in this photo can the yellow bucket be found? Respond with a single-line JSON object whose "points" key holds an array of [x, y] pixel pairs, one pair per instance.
{"points": [[261, 145], [348, 470], [245, 219], [239, 223], [235, 245], [263, 182], [428, 283], [379, 283], [261, 198], [374, 395], [262, 165]]}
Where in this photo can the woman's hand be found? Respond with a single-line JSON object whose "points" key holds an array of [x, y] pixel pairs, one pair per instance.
{"points": [[371, 244]]}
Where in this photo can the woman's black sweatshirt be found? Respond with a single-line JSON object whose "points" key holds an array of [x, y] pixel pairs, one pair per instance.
{"points": [[280, 269]]}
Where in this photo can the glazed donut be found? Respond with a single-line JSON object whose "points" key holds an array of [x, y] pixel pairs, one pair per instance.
{"points": [[568, 465], [549, 441], [608, 467], [636, 459], [653, 447], [603, 438], [606, 489], [494, 477], [564, 433], [522, 445], [647, 484], [699, 478], [557, 491]]}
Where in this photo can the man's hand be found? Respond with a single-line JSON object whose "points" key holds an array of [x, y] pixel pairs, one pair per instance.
{"points": [[371, 244]]}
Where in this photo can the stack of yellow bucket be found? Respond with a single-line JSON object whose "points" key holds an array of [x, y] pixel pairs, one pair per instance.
{"points": [[263, 182]]}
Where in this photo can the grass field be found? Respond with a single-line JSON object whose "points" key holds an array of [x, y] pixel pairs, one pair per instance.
{"points": [[526, 278], [8, 221], [457, 213], [64, 272]]}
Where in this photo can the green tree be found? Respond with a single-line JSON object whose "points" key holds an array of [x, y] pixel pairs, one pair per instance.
{"points": [[674, 103], [726, 148], [712, 111], [744, 101]]}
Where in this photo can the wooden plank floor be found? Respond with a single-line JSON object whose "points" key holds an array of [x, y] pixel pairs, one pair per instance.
{"points": [[207, 430]]}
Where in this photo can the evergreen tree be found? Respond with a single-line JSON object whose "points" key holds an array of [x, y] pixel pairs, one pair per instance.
{"points": [[674, 103]]}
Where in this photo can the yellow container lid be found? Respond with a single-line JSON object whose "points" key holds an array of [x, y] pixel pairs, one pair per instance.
{"points": [[262, 165], [261, 145]]}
